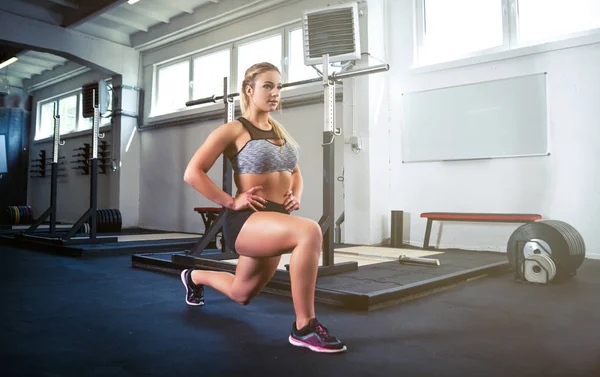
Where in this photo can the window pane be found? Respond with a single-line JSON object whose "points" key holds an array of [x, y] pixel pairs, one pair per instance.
{"points": [[173, 87], [67, 108], [544, 19], [46, 121], [209, 71], [297, 70], [458, 27], [262, 50], [84, 123]]}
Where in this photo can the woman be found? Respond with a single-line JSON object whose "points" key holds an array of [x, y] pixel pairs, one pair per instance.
{"points": [[258, 225]]}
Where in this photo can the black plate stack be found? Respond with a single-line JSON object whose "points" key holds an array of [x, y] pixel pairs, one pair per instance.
{"points": [[107, 221], [560, 253]]}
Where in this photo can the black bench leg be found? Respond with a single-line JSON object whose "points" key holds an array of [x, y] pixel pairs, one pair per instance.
{"points": [[427, 234]]}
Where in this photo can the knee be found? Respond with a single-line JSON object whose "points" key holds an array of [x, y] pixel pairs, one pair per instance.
{"points": [[241, 298], [312, 234], [244, 302]]}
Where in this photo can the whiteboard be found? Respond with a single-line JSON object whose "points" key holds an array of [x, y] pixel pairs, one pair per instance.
{"points": [[500, 118], [3, 157]]}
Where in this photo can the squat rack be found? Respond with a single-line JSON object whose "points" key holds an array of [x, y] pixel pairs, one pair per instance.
{"points": [[196, 255], [53, 237]]}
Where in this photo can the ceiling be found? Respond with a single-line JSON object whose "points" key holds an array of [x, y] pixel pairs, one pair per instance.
{"points": [[113, 20]]}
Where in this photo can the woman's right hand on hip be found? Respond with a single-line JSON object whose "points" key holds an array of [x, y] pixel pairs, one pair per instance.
{"points": [[249, 199]]}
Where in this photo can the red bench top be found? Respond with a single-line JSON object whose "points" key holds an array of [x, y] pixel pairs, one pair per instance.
{"points": [[481, 216], [208, 209]]}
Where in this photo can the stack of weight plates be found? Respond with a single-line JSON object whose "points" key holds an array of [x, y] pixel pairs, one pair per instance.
{"points": [[547, 250], [16, 215], [107, 221]]}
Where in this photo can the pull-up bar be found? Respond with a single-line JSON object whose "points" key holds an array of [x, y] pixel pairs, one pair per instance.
{"points": [[335, 76]]}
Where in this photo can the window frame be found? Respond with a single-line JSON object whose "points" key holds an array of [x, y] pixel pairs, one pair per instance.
{"points": [[510, 48], [78, 93], [233, 45], [256, 38], [190, 59]]}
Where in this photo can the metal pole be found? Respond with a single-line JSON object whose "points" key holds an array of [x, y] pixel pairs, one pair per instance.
{"points": [[94, 170], [328, 165], [229, 111], [54, 177], [227, 169]]}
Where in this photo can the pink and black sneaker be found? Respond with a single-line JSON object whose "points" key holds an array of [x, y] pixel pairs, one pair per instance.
{"points": [[316, 337], [194, 294]]}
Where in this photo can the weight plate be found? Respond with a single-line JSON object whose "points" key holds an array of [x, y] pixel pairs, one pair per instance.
{"points": [[536, 246], [102, 222], [119, 220], [109, 220], [115, 224], [575, 254], [539, 268]]}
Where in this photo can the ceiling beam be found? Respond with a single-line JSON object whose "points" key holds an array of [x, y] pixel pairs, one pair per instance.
{"points": [[34, 62], [96, 53], [54, 76], [174, 4], [31, 11], [14, 73], [91, 10], [145, 12], [125, 22]]}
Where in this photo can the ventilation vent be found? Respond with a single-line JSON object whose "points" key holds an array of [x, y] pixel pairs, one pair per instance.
{"points": [[87, 96], [332, 30]]}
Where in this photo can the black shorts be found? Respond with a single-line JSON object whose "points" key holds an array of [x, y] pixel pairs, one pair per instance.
{"points": [[235, 220]]}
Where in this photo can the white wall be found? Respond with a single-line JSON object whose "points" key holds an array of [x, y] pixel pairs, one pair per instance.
{"points": [[563, 186]]}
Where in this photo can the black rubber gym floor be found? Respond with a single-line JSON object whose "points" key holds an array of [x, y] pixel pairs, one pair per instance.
{"points": [[66, 316]]}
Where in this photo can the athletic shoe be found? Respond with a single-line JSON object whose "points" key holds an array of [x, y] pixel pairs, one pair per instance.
{"points": [[194, 294], [316, 337]]}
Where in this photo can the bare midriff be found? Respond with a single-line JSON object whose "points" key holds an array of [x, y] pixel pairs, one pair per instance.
{"points": [[276, 184]]}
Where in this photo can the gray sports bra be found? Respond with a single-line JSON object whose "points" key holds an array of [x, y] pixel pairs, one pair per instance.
{"points": [[261, 156]]}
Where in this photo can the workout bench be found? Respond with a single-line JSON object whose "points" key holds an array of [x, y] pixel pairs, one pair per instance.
{"points": [[209, 215], [477, 217]]}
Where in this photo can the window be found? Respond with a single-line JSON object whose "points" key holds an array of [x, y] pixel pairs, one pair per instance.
{"points": [[173, 87], [262, 50], [201, 75], [177, 83], [70, 109], [540, 20], [455, 28], [67, 109], [448, 30], [209, 71], [46, 122], [297, 71]]}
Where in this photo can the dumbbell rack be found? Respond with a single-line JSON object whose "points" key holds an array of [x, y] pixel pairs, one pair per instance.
{"points": [[84, 155]]}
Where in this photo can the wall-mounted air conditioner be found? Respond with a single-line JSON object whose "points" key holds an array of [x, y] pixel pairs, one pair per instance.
{"points": [[333, 31]]}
